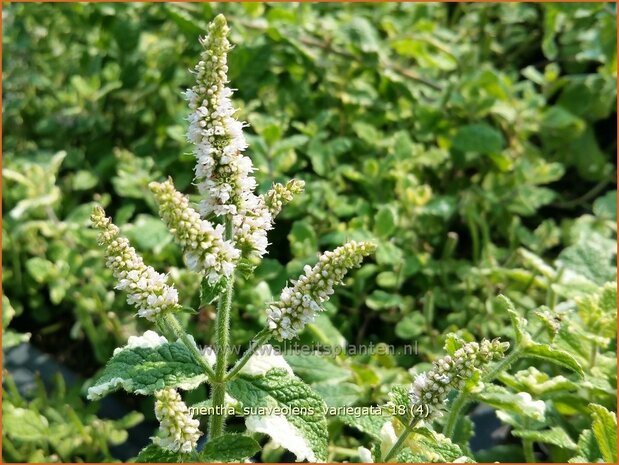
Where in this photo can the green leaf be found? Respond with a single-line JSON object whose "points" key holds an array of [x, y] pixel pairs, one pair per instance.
{"points": [[587, 449], [338, 394], [381, 300], [229, 448], [589, 258], [315, 369], [368, 424], [210, 292], [555, 435], [40, 269], [23, 424], [411, 326], [303, 430], [148, 233], [481, 138], [518, 323], [605, 430], [503, 399], [303, 239], [606, 206], [155, 454], [144, 370], [385, 221], [557, 356]]}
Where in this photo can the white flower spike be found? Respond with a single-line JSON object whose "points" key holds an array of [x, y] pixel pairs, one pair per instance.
{"points": [[146, 288], [299, 304], [204, 246], [223, 173]]}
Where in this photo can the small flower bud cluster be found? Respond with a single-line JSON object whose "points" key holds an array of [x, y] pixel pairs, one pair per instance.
{"points": [[223, 173], [250, 228], [146, 288], [280, 195], [204, 245], [180, 431], [429, 390], [299, 304]]}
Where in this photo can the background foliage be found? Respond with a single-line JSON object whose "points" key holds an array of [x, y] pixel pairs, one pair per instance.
{"points": [[474, 142]]}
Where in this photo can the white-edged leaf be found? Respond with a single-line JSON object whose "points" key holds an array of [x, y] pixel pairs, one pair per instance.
{"points": [[300, 424], [144, 370]]}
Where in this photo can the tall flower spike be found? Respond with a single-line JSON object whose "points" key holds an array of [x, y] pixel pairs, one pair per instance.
{"points": [[223, 173], [180, 431], [429, 390], [204, 246], [280, 195], [299, 304], [146, 288]]}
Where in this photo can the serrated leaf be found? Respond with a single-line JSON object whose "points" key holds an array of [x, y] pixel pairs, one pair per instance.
{"points": [[303, 432], [370, 425], [338, 394], [155, 454], [556, 436], [587, 449], [144, 370], [518, 322], [210, 292], [433, 447], [229, 448], [519, 403], [557, 356], [315, 369], [605, 430]]}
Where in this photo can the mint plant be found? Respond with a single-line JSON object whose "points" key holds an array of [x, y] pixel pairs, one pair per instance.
{"points": [[475, 167], [228, 233]]}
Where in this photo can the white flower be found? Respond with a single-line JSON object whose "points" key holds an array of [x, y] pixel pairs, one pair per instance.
{"points": [[204, 245], [145, 287], [299, 304], [179, 430], [223, 174]]}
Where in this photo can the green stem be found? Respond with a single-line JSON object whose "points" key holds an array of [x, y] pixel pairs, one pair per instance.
{"points": [[257, 342], [171, 324], [502, 365], [463, 397], [529, 456], [527, 446], [454, 414], [222, 335], [400, 442]]}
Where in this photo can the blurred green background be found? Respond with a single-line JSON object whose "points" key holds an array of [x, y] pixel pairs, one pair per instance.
{"points": [[474, 142]]}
